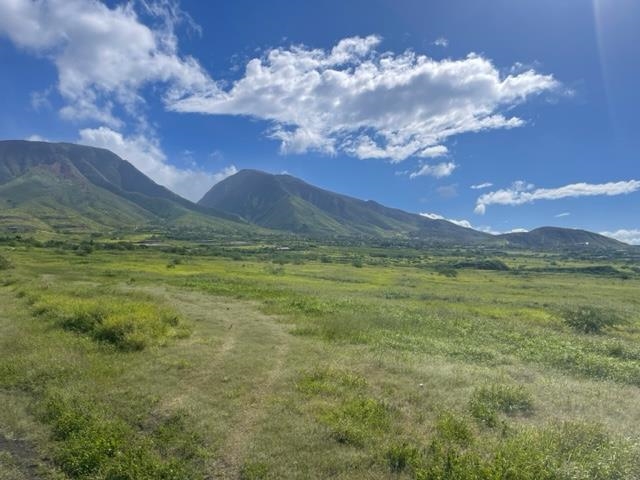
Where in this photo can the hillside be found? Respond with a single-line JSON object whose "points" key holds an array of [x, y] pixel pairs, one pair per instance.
{"points": [[283, 202], [63, 187], [551, 238]]}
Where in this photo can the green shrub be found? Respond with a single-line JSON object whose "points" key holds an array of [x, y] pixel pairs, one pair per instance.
{"points": [[5, 264], [590, 319], [446, 271], [402, 456], [90, 444], [454, 429], [254, 471], [487, 401], [357, 420], [567, 451], [128, 324]]}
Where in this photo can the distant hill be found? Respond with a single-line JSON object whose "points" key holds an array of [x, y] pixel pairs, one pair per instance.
{"points": [[553, 238], [283, 202], [67, 188], [63, 187]]}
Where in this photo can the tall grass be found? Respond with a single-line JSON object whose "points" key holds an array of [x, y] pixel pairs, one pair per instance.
{"points": [[125, 321]]}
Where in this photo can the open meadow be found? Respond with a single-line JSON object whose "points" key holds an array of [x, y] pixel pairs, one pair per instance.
{"points": [[190, 361]]}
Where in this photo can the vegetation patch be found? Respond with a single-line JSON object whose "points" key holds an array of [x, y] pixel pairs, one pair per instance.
{"points": [[572, 450], [590, 319], [487, 401], [91, 444], [127, 322], [5, 264], [330, 381], [358, 420]]}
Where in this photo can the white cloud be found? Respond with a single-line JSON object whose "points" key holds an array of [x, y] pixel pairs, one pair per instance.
{"points": [[439, 170], [435, 216], [147, 156], [356, 100], [468, 224], [441, 42], [563, 214], [37, 138], [520, 193], [628, 236], [480, 186], [104, 56]]}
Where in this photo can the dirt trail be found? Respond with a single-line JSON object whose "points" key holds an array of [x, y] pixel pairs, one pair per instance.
{"points": [[243, 354], [248, 421], [24, 456]]}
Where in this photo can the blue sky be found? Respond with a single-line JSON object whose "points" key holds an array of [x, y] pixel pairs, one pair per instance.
{"points": [[502, 115]]}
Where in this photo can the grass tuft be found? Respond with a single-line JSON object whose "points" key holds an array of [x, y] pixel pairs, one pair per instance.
{"points": [[487, 401]]}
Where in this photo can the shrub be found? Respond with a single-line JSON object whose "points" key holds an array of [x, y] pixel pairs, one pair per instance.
{"points": [[589, 319], [446, 271], [487, 401], [357, 420], [5, 264], [454, 429], [118, 320], [401, 456], [89, 444], [254, 471]]}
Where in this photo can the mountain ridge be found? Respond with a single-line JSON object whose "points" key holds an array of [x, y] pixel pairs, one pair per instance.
{"points": [[64, 187], [261, 198], [51, 186]]}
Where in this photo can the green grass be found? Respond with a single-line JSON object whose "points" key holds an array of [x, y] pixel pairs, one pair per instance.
{"points": [[188, 363], [124, 321]]}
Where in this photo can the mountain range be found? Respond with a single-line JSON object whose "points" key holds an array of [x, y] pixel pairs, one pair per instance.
{"points": [[63, 187]]}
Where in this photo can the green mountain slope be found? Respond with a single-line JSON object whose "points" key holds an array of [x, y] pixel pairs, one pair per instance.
{"points": [[552, 238], [63, 187], [283, 202]]}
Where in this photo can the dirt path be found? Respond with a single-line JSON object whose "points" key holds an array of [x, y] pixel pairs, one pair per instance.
{"points": [[23, 455], [241, 358], [249, 418]]}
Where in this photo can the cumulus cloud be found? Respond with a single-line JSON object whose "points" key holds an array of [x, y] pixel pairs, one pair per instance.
{"points": [[480, 186], [521, 192], [439, 170], [147, 156], [356, 100], [627, 236], [103, 55]]}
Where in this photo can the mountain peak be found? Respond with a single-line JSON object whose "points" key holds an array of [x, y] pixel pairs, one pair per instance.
{"points": [[284, 202]]}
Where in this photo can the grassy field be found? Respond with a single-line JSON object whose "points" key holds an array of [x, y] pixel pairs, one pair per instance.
{"points": [[319, 362]]}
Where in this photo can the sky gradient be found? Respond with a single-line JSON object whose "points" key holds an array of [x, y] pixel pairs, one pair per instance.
{"points": [[499, 115]]}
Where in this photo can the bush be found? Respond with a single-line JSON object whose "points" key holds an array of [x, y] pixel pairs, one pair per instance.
{"points": [[400, 457], [570, 450], [5, 264], [589, 319], [89, 444], [446, 271], [357, 420], [119, 320], [487, 402]]}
